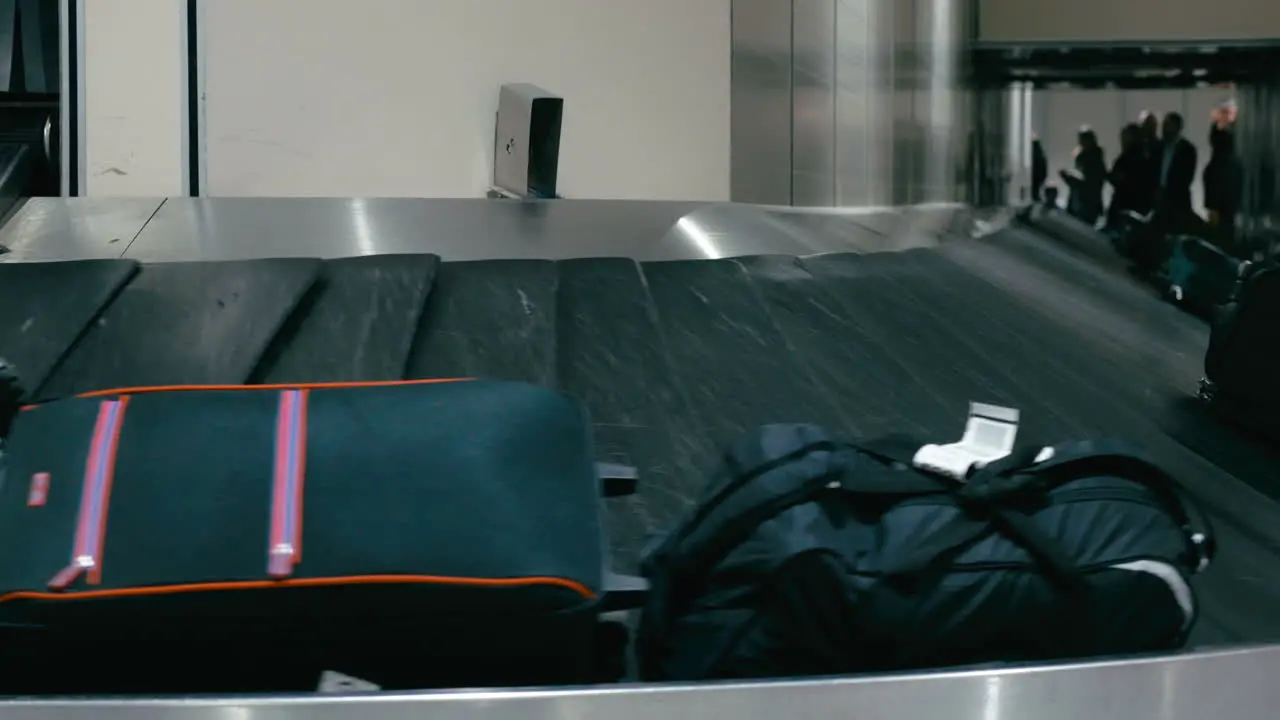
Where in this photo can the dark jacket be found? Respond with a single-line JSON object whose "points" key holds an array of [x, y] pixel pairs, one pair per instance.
{"points": [[1039, 169], [1134, 181], [1086, 189], [1174, 198], [1222, 175]]}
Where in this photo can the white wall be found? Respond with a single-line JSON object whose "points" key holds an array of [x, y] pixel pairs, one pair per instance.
{"points": [[1120, 20], [1058, 114], [134, 79], [397, 97]]}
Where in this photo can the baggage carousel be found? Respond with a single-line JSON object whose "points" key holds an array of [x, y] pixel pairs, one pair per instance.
{"points": [[679, 326]]}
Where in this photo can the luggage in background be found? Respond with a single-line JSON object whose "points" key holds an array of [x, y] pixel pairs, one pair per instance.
{"points": [[1198, 275], [1145, 245], [251, 539], [1241, 375], [809, 556]]}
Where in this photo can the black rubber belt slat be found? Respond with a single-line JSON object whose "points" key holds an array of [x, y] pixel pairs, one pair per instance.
{"points": [[1080, 238], [990, 337], [44, 307], [356, 325], [734, 364], [612, 358], [492, 319], [910, 369], [824, 337], [198, 323]]}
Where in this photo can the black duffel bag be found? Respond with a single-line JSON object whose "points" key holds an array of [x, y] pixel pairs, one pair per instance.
{"points": [[809, 556]]}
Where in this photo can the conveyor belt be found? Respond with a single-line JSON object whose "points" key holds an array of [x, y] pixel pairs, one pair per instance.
{"points": [[180, 323], [45, 308], [675, 358], [16, 163]]}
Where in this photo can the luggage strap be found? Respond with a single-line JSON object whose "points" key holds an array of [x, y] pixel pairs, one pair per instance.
{"points": [[989, 496], [817, 464]]}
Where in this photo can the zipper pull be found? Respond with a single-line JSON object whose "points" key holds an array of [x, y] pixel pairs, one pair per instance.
{"points": [[280, 563], [79, 566]]}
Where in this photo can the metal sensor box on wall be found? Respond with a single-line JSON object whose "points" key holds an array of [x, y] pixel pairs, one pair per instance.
{"points": [[526, 149]]}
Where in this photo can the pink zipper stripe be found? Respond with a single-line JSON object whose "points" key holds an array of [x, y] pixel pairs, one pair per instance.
{"points": [[286, 511], [86, 552]]}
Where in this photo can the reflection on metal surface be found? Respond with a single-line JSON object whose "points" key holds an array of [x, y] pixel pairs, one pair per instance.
{"points": [[246, 228], [62, 229], [224, 228], [863, 115], [988, 149], [242, 228], [879, 113], [1236, 684], [1258, 145], [813, 97], [760, 126]]}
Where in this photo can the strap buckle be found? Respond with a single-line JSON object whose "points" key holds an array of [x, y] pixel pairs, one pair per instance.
{"points": [[989, 435], [1203, 549]]}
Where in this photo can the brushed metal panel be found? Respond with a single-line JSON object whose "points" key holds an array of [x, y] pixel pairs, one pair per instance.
{"points": [[863, 127], [761, 113], [459, 229], [813, 62], [905, 84], [75, 228], [938, 44], [247, 228], [1258, 140], [991, 168], [943, 27]]}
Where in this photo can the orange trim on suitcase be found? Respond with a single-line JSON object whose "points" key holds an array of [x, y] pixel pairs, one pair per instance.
{"points": [[534, 581], [223, 388], [279, 386]]}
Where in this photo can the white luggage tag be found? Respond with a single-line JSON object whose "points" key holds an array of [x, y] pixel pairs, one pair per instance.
{"points": [[336, 683], [989, 434]]}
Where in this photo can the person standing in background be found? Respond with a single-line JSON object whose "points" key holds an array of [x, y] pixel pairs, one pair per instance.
{"points": [[1039, 168], [1087, 178], [1149, 132], [1178, 160], [1223, 177], [1132, 178], [1149, 125]]}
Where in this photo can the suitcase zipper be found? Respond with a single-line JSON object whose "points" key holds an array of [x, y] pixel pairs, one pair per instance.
{"points": [[285, 542], [95, 497]]}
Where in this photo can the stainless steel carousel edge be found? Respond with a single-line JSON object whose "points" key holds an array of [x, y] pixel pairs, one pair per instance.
{"points": [[180, 229], [1237, 684]]}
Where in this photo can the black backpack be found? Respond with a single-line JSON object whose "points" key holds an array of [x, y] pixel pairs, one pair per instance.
{"points": [[810, 556]]}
